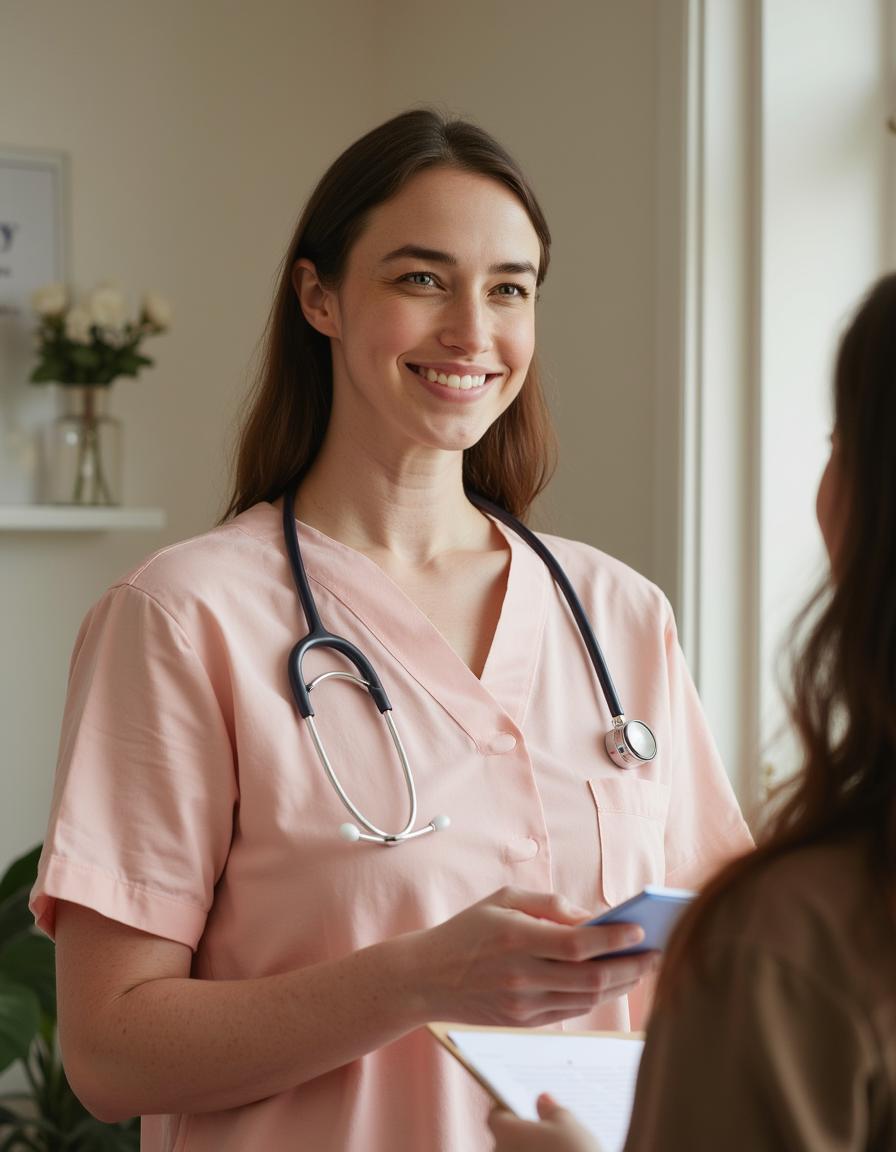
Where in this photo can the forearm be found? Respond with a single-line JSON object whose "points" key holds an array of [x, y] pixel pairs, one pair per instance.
{"points": [[185, 1045], [139, 1036]]}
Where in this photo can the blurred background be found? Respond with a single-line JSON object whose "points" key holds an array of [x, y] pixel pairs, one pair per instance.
{"points": [[720, 180]]}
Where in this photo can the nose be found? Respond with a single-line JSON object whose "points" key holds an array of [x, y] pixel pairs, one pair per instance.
{"points": [[466, 326]]}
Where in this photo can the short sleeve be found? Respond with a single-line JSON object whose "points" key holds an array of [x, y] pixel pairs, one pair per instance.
{"points": [[749, 1052], [145, 792], [704, 825]]}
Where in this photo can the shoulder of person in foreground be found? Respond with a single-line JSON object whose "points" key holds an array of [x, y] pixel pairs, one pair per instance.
{"points": [[771, 1034]]}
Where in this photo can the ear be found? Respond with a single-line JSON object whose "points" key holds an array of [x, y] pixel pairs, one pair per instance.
{"points": [[318, 303]]}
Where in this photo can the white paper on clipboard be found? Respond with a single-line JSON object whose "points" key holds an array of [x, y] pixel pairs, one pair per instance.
{"points": [[592, 1074]]}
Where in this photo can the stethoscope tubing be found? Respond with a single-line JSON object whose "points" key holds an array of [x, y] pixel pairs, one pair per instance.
{"points": [[318, 636], [621, 745], [553, 565]]}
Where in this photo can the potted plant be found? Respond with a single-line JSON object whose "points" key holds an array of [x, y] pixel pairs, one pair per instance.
{"points": [[84, 347], [48, 1117]]}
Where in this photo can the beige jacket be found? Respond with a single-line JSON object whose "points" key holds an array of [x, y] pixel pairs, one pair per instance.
{"points": [[783, 1034]]}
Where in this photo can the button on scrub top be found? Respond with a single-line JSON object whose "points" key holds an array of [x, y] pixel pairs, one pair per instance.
{"points": [[190, 803]]}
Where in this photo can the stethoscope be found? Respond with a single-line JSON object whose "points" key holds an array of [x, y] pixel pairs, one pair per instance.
{"points": [[628, 743]]}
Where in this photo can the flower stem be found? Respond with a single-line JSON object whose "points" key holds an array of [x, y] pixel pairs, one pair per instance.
{"points": [[91, 486]]}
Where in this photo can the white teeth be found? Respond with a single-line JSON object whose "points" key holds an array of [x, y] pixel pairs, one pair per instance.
{"points": [[451, 380]]}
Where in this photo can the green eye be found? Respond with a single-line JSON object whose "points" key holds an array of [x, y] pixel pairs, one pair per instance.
{"points": [[421, 279], [512, 290]]}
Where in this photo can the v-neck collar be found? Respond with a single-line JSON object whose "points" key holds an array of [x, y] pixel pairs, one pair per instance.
{"points": [[404, 630]]}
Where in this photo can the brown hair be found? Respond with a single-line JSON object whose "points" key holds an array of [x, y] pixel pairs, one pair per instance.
{"points": [[289, 407], [843, 699]]}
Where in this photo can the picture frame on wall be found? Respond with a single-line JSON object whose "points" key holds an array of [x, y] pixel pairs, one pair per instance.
{"points": [[34, 193]]}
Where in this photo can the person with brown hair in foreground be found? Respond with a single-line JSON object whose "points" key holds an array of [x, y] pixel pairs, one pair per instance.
{"points": [[774, 1028]]}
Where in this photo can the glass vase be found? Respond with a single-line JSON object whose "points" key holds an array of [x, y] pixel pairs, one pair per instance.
{"points": [[84, 449]]}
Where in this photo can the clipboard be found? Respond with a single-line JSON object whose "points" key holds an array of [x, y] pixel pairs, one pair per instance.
{"points": [[593, 1074], [440, 1030]]}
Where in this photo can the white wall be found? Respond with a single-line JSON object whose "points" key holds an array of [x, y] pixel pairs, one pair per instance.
{"points": [[888, 72], [195, 130], [572, 91], [190, 147]]}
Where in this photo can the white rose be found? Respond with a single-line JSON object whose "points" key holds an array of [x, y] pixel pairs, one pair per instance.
{"points": [[78, 325], [106, 306], [157, 310], [50, 300]]}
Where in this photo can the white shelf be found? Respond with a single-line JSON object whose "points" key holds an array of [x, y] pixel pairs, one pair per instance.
{"points": [[62, 518]]}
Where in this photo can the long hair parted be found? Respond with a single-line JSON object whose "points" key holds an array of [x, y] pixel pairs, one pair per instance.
{"points": [[843, 697], [290, 403]]}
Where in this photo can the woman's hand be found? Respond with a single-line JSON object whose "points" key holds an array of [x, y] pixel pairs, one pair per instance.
{"points": [[557, 1131], [522, 958]]}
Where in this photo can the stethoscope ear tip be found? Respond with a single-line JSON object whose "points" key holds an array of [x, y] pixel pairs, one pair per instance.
{"points": [[440, 822], [349, 832]]}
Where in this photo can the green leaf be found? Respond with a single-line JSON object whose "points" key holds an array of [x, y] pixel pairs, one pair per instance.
{"points": [[22, 873], [128, 364], [46, 373], [15, 888], [15, 917], [19, 1021], [85, 357], [30, 960], [97, 1137], [19, 1141]]}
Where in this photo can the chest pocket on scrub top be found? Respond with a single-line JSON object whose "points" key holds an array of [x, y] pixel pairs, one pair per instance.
{"points": [[631, 820]]}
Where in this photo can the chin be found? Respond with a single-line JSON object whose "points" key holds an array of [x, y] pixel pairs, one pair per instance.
{"points": [[457, 438], [457, 443]]}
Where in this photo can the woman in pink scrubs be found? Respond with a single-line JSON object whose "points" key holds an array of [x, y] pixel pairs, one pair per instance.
{"points": [[229, 967]]}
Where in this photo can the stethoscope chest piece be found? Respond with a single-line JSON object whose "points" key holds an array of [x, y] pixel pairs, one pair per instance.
{"points": [[630, 743]]}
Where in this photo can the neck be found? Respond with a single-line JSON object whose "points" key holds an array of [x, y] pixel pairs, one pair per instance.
{"points": [[413, 507]]}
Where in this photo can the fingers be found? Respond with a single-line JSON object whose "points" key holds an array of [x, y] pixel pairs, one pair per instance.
{"points": [[606, 976], [580, 942], [515, 1135], [563, 1005], [557, 1131], [531, 990], [500, 1120], [570, 1135], [541, 905], [546, 922], [530, 1004], [520, 958], [548, 1107]]}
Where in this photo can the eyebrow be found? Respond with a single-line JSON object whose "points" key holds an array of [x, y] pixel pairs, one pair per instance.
{"points": [[434, 256]]}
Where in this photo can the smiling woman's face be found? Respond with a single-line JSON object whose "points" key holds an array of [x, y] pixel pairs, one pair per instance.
{"points": [[434, 320]]}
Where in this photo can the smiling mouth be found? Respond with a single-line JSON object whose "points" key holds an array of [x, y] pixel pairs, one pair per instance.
{"points": [[461, 383]]}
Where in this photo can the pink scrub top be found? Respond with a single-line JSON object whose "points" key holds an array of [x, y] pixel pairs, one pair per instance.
{"points": [[190, 802]]}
